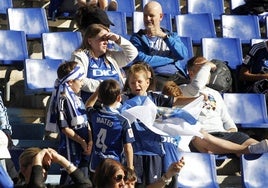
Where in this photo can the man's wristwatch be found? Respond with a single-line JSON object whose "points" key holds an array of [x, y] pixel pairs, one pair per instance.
{"points": [[166, 180]]}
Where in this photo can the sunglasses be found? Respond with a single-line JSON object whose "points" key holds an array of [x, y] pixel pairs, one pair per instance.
{"points": [[120, 177]]}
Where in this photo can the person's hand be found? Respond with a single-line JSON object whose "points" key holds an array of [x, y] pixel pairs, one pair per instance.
{"points": [[175, 168], [157, 32], [89, 148], [56, 157], [42, 158], [112, 36], [213, 67]]}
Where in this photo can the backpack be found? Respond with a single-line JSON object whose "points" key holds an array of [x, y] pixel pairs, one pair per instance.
{"points": [[221, 78]]}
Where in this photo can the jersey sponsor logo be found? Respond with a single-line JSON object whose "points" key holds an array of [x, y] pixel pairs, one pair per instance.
{"points": [[168, 139], [103, 72], [130, 133]]}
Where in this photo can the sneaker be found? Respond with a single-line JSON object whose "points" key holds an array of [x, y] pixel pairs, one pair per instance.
{"points": [[112, 5], [261, 147]]}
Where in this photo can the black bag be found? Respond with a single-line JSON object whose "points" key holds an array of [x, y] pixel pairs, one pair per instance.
{"points": [[221, 78]]}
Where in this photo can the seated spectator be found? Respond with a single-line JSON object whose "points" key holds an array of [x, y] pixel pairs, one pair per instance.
{"points": [[254, 70], [100, 63], [92, 14], [112, 174], [34, 165], [5, 179], [163, 50], [214, 117], [67, 8]]}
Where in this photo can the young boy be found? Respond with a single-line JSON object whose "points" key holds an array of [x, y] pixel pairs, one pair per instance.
{"points": [[112, 133], [68, 112]]}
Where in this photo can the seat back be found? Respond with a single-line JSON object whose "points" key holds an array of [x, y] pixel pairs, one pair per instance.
{"points": [[187, 41], [254, 172], [4, 5], [226, 49], [235, 3], [120, 22], [244, 27], [40, 75], [196, 26], [139, 24], [13, 47], [171, 7], [247, 109], [255, 41], [216, 7], [33, 21], [199, 170], [60, 45], [127, 7]]}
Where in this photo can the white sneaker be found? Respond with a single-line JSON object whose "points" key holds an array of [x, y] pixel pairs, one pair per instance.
{"points": [[261, 147]]}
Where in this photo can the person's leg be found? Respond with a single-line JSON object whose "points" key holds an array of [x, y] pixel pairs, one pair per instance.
{"points": [[212, 144]]}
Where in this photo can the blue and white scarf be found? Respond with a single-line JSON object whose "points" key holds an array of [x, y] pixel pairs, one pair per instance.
{"points": [[62, 86]]}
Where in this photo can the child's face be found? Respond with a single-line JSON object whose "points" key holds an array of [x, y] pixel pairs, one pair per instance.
{"points": [[139, 83], [130, 184], [76, 85]]}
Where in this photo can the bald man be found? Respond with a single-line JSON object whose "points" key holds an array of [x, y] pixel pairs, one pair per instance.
{"points": [[163, 50]]}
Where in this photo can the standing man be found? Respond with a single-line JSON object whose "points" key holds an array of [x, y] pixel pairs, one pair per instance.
{"points": [[161, 49]]}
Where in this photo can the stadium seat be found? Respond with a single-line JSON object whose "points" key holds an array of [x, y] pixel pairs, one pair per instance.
{"points": [[4, 5], [171, 7], [138, 21], [33, 21], [235, 3], [40, 75], [226, 49], [196, 26], [199, 171], [248, 110], [254, 41], [216, 7], [254, 172], [120, 22], [60, 45], [244, 27], [127, 7], [13, 52], [187, 41]]}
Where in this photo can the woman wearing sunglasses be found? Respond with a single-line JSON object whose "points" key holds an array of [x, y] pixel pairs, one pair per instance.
{"points": [[112, 174]]}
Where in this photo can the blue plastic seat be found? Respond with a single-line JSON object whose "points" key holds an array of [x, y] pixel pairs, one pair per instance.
{"points": [[60, 45], [235, 3], [196, 26], [254, 41], [248, 110], [254, 172], [120, 22], [139, 24], [40, 75], [244, 27], [187, 41], [216, 7], [33, 21], [171, 7], [13, 52], [226, 49], [199, 171], [127, 7], [4, 5]]}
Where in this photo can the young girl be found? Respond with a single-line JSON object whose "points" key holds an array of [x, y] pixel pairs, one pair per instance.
{"points": [[68, 111], [153, 153]]}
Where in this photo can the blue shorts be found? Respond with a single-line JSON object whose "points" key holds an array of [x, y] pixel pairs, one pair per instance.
{"points": [[148, 168]]}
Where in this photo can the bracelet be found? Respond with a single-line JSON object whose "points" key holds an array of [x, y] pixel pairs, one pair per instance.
{"points": [[166, 180], [69, 167]]}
